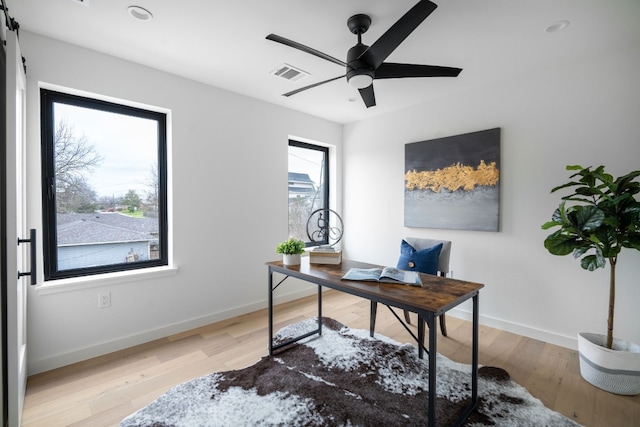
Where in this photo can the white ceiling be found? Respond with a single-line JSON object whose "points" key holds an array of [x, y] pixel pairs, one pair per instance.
{"points": [[222, 42]]}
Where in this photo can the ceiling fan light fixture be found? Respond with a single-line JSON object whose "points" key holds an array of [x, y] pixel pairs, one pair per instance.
{"points": [[360, 81]]}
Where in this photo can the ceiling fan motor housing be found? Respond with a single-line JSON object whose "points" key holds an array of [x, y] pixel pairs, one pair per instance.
{"points": [[355, 66]]}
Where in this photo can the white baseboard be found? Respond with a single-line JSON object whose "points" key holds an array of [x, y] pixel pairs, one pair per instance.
{"points": [[74, 356], [46, 364], [527, 331]]}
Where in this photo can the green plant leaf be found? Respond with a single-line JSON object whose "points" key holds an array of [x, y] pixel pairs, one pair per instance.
{"points": [[588, 191], [627, 180], [588, 179], [592, 262], [601, 175], [568, 184], [562, 213], [547, 225], [609, 244], [586, 218], [632, 208], [632, 241], [573, 198], [560, 244], [622, 199], [579, 251]]}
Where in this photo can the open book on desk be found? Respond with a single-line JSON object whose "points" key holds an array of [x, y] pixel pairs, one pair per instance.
{"points": [[386, 274]]}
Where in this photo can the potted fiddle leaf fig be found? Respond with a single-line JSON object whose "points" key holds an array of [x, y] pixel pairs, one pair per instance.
{"points": [[594, 223], [291, 250]]}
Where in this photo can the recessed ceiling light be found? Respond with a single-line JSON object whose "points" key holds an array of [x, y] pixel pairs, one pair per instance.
{"points": [[557, 26], [140, 13]]}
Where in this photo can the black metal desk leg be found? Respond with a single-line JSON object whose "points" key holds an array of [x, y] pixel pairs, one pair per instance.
{"points": [[319, 310], [270, 312], [420, 336], [372, 317], [433, 336], [474, 351]]}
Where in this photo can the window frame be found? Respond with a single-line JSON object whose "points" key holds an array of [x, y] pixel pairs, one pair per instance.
{"points": [[48, 98], [325, 177]]}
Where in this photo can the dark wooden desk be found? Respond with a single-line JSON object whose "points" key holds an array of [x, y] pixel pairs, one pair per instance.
{"points": [[436, 296]]}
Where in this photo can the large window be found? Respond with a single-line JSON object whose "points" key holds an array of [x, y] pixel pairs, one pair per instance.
{"points": [[308, 185], [104, 169]]}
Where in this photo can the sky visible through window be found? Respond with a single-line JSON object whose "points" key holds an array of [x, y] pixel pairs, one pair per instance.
{"points": [[127, 145], [303, 160]]}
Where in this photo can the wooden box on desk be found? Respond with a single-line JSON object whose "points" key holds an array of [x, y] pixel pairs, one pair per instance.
{"points": [[323, 256]]}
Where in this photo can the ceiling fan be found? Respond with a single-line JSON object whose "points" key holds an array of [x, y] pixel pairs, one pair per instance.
{"points": [[366, 63]]}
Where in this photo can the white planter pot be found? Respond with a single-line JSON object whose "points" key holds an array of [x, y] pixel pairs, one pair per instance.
{"points": [[291, 259], [615, 370]]}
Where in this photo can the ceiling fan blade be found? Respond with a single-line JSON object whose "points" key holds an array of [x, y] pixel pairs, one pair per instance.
{"points": [[390, 70], [368, 96], [293, 92], [296, 45], [389, 41]]}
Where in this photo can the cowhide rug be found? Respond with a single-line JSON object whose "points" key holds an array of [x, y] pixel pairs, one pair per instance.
{"points": [[343, 378]]}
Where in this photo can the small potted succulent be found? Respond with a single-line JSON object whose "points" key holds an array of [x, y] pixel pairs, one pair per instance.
{"points": [[595, 222], [291, 251]]}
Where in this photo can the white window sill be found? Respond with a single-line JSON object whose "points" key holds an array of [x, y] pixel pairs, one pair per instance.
{"points": [[77, 283]]}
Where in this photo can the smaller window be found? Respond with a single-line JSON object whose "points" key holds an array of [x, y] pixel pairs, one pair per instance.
{"points": [[104, 172], [308, 185]]}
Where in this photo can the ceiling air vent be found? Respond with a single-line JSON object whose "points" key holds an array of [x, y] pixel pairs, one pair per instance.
{"points": [[288, 72]]}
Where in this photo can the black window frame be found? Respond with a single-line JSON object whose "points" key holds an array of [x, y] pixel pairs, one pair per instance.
{"points": [[47, 123], [325, 177]]}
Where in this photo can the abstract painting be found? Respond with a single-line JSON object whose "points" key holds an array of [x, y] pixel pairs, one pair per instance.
{"points": [[453, 182]]}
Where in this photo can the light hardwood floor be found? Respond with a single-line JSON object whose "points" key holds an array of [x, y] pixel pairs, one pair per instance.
{"points": [[104, 390]]}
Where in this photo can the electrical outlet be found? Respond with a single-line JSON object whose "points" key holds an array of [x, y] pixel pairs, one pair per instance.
{"points": [[104, 300]]}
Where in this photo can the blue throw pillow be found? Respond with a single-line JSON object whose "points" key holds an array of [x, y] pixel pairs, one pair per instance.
{"points": [[424, 260]]}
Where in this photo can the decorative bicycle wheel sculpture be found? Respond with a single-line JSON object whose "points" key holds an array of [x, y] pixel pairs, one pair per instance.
{"points": [[324, 227]]}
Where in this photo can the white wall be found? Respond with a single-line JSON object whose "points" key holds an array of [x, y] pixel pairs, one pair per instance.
{"points": [[229, 206], [586, 112]]}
